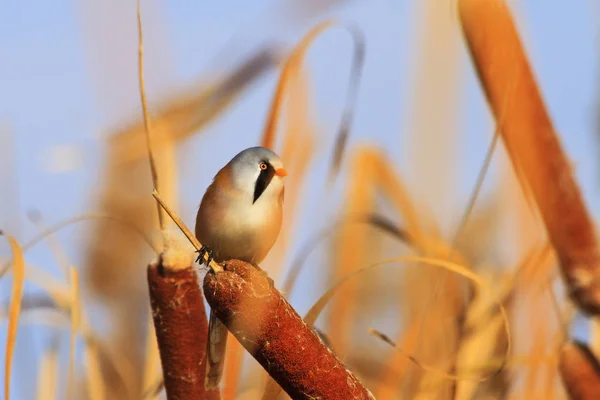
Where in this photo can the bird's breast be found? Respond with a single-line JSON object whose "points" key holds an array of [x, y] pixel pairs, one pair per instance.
{"points": [[236, 229]]}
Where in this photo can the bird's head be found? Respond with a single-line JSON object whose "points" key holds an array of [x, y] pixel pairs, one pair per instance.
{"points": [[258, 172]]}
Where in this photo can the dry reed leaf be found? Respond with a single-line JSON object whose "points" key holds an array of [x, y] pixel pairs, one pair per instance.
{"points": [[531, 273], [463, 271], [426, 238], [94, 379], [438, 318], [467, 215], [477, 239], [372, 172], [289, 74], [233, 367], [272, 390], [298, 150], [48, 316], [534, 145], [531, 307], [438, 322], [433, 148], [312, 315], [387, 386], [358, 60], [114, 258], [434, 154], [424, 367], [152, 367], [75, 322], [63, 224], [58, 318], [511, 285], [46, 382], [152, 359], [481, 340], [14, 310], [146, 115], [395, 189], [533, 318], [550, 380], [188, 112], [377, 221], [350, 249], [57, 290], [53, 244], [108, 273]]}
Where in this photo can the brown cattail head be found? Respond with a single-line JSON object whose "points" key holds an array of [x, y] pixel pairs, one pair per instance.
{"points": [[532, 143], [181, 327], [580, 371], [276, 336]]}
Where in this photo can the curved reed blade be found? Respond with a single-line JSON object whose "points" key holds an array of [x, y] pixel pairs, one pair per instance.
{"points": [[75, 322], [289, 73], [312, 315], [14, 310], [375, 220], [343, 132], [68, 222]]}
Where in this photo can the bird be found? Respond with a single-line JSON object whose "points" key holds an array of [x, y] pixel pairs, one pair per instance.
{"points": [[239, 217]]}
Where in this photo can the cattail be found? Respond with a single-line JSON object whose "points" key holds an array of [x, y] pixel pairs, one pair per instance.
{"points": [[580, 371], [533, 144], [268, 327], [181, 325]]}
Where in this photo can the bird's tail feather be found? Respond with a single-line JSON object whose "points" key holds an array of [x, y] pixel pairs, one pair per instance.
{"points": [[215, 352]]}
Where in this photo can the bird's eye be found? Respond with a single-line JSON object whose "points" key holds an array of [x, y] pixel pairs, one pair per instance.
{"points": [[263, 166]]}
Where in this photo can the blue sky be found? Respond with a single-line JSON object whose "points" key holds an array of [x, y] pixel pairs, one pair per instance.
{"points": [[62, 86]]}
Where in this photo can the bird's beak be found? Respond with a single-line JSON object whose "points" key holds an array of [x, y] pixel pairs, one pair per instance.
{"points": [[281, 172]]}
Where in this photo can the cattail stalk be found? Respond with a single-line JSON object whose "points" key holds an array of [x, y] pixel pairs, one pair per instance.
{"points": [[269, 328], [181, 325], [580, 371]]}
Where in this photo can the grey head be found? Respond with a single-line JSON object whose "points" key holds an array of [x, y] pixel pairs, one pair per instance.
{"points": [[258, 172]]}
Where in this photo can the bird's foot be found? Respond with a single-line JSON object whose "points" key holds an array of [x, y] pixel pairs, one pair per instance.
{"points": [[204, 250]]}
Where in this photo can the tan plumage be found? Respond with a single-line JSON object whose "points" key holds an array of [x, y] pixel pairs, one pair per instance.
{"points": [[240, 218]]}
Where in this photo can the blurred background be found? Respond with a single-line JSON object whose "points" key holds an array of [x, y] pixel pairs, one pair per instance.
{"points": [[72, 144]]}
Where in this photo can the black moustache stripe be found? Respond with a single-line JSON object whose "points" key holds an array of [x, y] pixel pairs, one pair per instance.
{"points": [[263, 180]]}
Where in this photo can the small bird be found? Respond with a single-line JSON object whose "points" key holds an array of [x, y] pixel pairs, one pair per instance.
{"points": [[239, 218]]}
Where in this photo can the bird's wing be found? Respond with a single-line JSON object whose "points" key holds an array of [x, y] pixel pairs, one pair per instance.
{"points": [[215, 352]]}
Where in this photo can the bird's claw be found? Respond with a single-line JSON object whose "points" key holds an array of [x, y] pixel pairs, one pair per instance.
{"points": [[204, 250]]}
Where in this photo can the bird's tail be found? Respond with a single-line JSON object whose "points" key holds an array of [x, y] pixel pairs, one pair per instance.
{"points": [[215, 352]]}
